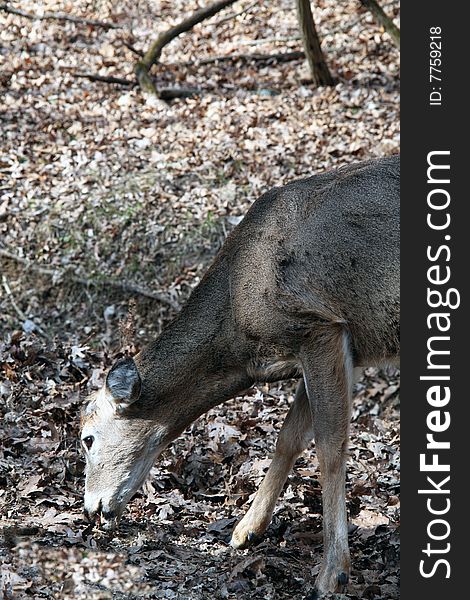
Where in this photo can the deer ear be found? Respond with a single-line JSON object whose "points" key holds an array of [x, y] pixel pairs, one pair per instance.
{"points": [[123, 381]]}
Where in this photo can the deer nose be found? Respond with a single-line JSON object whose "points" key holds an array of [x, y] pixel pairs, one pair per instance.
{"points": [[91, 514]]}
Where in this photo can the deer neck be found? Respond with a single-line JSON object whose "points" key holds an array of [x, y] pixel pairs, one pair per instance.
{"points": [[195, 364]]}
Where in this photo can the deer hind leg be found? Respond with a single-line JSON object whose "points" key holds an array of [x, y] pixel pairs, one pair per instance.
{"points": [[328, 372], [294, 437]]}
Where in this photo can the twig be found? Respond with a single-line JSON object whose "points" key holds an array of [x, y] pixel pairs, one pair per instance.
{"points": [[237, 14], [57, 275], [58, 17], [132, 48], [154, 52], [273, 40], [18, 310]]}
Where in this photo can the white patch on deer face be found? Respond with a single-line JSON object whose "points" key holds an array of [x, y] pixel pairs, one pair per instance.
{"points": [[120, 451]]}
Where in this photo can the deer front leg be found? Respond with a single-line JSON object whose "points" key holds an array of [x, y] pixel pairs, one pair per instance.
{"points": [[328, 373], [294, 437]]}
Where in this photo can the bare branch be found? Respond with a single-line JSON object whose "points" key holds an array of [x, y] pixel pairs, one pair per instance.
{"points": [[154, 51], [58, 17], [383, 20], [132, 48], [57, 275]]}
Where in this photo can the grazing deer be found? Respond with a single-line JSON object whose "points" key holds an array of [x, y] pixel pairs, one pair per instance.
{"points": [[306, 286]]}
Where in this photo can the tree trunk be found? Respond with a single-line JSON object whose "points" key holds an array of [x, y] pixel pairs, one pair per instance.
{"points": [[318, 67], [383, 20]]}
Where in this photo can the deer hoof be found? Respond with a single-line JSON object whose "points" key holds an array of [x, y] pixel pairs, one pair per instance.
{"points": [[244, 540], [247, 533], [337, 584]]}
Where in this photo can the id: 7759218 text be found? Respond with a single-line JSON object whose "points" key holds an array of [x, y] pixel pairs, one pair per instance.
{"points": [[435, 63]]}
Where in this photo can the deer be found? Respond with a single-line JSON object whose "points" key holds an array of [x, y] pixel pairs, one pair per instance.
{"points": [[305, 287]]}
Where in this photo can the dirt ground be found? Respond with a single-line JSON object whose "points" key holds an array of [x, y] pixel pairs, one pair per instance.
{"points": [[113, 201]]}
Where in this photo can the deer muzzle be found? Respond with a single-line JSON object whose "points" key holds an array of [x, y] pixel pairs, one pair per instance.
{"points": [[101, 514]]}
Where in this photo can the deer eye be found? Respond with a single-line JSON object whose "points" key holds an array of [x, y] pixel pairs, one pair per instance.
{"points": [[88, 441]]}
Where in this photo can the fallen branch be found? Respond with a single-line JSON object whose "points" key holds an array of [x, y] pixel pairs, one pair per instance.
{"points": [[164, 93], [154, 52], [58, 17], [57, 275], [173, 93], [386, 22], [105, 79], [258, 57]]}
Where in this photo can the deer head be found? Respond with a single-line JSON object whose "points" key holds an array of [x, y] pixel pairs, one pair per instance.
{"points": [[141, 408], [121, 439]]}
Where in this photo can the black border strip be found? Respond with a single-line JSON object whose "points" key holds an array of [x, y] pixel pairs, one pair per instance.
{"points": [[433, 125]]}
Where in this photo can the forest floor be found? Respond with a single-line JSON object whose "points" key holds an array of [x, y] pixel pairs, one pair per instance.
{"points": [[103, 188]]}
